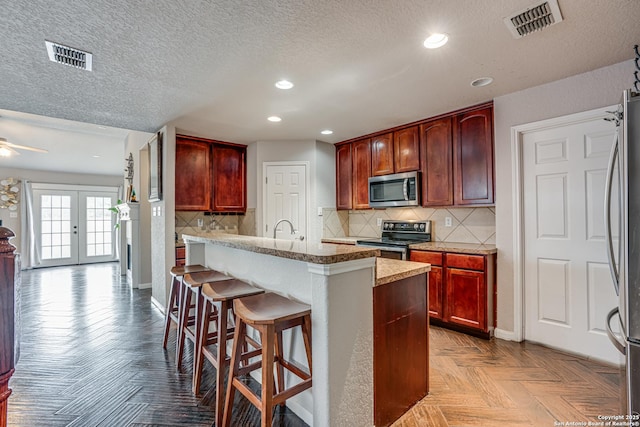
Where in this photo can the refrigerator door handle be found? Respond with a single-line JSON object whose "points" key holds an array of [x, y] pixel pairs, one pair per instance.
{"points": [[621, 346], [607, 215]]}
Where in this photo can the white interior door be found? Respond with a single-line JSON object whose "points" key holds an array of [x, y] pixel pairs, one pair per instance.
{"points": [[567, 286], [285, 198], [73, 227]]}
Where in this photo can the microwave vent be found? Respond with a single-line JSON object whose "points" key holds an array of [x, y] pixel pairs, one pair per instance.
{"points": [[534, 18]]}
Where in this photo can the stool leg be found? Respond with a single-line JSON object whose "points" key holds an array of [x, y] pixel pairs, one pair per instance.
{"points": [[280, 369], [223, 316], [234, 366], [306, 336], [170, 307], [268, 344], [202, 333], [184, 320]]}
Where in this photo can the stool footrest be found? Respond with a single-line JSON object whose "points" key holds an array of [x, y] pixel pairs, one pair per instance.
{"points": [[247, 392], [294, 369], [291, 391], [250, 368]]}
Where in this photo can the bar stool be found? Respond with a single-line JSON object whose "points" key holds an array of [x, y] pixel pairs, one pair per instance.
{"points": [[221, 294], [269, 314], [172, 310], [191, 284]]}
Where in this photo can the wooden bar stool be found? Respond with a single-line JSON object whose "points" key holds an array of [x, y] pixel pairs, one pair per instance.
{"points": [[269, 314], [221, 294], [191, 284], [172, 311]]}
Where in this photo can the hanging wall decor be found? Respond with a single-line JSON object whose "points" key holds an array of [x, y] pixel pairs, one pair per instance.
{"points": [[9, 189]]}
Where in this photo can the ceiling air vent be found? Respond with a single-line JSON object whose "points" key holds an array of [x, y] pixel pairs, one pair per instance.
{"points": [[69, 56], [533, 18]]}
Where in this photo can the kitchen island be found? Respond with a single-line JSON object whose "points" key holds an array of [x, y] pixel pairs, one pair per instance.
{"points": [[338, 282]]}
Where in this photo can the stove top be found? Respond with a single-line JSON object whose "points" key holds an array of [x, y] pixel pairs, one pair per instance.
{"points": [[401, 234]]}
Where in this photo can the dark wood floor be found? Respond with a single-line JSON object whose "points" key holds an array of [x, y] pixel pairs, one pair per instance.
{"points": [[92, 356]]}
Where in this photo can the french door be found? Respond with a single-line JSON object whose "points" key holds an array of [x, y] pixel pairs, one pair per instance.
{"points": [[74, 227]]}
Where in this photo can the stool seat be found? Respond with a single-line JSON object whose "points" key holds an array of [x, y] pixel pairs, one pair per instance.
{"points": [[198, 278], [178, 270], [228, 290], [269, 308]]}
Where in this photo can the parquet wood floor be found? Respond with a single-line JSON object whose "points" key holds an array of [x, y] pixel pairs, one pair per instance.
{"points": [[92, 356]]}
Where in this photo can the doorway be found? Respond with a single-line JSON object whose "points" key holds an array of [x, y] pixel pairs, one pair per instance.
{"points": [[285, 197], [73, 224], [563, 275]]}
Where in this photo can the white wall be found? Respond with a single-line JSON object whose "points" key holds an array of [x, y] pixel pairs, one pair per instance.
{"points": [[574, 94], [320, 156], [47, 177]]}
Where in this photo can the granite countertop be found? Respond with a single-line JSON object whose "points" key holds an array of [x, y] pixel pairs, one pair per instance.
{"points": [[391, 270], [317, 253], [342, 240], [463, 248]]}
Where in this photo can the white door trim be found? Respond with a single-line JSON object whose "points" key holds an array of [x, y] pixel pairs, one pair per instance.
{"points": [[307, 166], [517, 133]]}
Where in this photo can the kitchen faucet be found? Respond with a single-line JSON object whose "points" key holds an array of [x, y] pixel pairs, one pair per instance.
{"points": [[293, 230]]}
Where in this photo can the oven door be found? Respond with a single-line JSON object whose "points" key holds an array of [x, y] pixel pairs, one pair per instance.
{"points": [[392, 252]]}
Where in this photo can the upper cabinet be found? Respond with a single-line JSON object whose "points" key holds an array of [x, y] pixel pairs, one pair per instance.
{"points": [[406, 149], [210, 175], [382, 154], [361, 152], [344, 194], [473, 157], [436, 163]]}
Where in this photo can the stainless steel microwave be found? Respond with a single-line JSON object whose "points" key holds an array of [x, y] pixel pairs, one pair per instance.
{"points": [[400, 189]]}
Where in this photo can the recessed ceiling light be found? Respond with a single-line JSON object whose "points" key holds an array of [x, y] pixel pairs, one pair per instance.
{"points": [[482, 81], [95, 156], [102, 127], [274, 119], [327, 132], [284, 84], [436, 40]]}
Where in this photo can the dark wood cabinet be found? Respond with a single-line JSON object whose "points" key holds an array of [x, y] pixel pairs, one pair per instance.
{"points": [[406, 149], [193, 175], [400, 347], [229, 178], [382, 154], [435, 280], [473, 157], [344, 193], [181, 256], [436, 149], [210, 175], [463, 287], [361, 155]]}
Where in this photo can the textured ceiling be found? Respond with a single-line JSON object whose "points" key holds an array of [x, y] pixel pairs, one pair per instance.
{"points": [[358, 65]]}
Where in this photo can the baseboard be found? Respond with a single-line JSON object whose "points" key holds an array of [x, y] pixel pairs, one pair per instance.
{"points": [[157, 304], [144, 285], [505, 335]]}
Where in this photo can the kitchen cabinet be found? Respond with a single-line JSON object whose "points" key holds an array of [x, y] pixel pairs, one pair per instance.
{"points": [[400, 347], [464, 290], [361, 156], [210, 175], [406, 149], [436, 148], [382, 154], [181, 256], [473, 157], [344, 192]]}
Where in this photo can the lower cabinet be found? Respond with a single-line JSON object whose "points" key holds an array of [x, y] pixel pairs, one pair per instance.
{"points": [[461, 290], [400, 347], [181, 256]]}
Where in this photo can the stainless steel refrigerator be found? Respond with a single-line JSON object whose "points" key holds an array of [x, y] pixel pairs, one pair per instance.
{"points": [[622, 224]]}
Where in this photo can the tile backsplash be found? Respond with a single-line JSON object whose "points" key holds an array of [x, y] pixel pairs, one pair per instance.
{"points": [[468, 225], [187, 222]]}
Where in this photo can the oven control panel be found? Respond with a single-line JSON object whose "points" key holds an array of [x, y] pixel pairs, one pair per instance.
{"points": [[407, 226]]}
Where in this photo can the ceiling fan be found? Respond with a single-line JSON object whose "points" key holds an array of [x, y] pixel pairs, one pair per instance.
{"points": [[7, 148]]}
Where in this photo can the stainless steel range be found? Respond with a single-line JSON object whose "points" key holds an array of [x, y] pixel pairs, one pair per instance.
{"points": [[397, 236]]}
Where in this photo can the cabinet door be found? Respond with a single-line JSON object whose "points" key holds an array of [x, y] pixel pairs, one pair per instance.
{"points": [[344, 195], [466, 298], [406, 150], [229, 179], [382, 154], [193, 175], [361, 152], [436, 163], [435, 284], [473, 157]]}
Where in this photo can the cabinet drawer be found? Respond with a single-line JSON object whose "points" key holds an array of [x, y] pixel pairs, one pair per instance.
{"points": [[434, 258], [468, 262], [181, 253]]}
